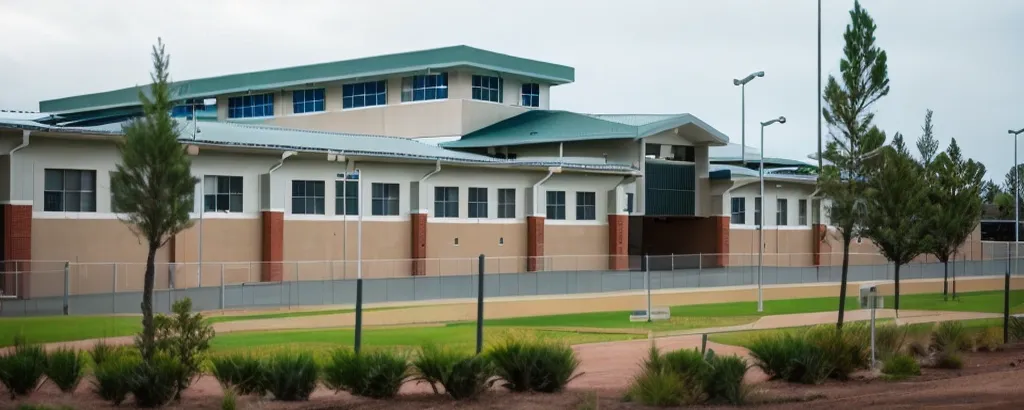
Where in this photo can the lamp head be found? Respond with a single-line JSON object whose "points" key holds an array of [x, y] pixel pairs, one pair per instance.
{"points": [[1018, 132], [759, 74], [782, 120]]}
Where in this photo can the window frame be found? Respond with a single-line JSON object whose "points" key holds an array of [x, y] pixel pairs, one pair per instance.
{"points": [[388, 195], [350, 93], [757, 211], [532, 95], [738, 214], [446, 202], [228, 196], [477, 206], [310, 100], [345, 192], [319, 201], [64, 191], [552, 208], [506, 206], [781, 211], [801, 214], [495, 86], [630, 198], [430, 85], [586, 206], [237, 104]]}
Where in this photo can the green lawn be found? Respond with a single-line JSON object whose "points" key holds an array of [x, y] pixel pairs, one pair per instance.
{"points": [[48, 329], [986, 302], [278, 315], [746, 337]]}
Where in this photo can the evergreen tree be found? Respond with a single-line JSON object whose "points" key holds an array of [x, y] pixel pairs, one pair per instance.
{"points": [[153, 185], [1010, 184], [957, 196], [852, 137], [989, 191], [897, 199], [927, 145]]}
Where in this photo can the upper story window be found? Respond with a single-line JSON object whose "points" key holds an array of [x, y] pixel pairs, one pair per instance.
{"points": [[366, 94], [446, 202], [781, 212], [425, 87], [308, 197], [757, 211], [222, 193], [738, 211], [250, 106], [384, 199], [346, 197], [531, 95], [311, 100], [801, 212], [487, 88], [556, 205], [506, 203], [586, 206], [69, 190], [477, 202]]}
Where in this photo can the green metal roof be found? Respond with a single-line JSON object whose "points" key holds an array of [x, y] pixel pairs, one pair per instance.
{"points": [[390, 64], [768, 161], [547, 126]]}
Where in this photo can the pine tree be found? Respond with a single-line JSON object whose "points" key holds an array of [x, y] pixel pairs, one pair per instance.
{"points": [[897, 199], [957, 196], [1010, 183], [927, 145], [853, 140], [153, 185]]}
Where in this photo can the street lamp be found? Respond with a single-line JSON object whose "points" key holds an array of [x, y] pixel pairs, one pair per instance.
{"points": [[1016, 238], [760, 223], [743, 112]]}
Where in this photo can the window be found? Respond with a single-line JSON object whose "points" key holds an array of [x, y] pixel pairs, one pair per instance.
{"points": [[346, 197], [384, 199], [629, 203], [250, 106], [222, 193], [757, 211], [311, 100], [308, 197], [739, 211], [478, 202], [486, 88], [531, 95], [586, 206], [113, 206], [801, 214], [446, 202], [507, 203], [366, 94], [179, 111], [69, 190], [425, 87], [556, 205], [781, 212], [683, 153]]}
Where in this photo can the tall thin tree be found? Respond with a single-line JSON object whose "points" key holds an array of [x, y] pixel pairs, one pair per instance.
{"points": [[957, 196], [897, 202], [153, 185], [852, 137]]}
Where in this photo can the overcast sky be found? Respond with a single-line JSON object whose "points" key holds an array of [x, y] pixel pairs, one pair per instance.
{"points": [[962, 58]]}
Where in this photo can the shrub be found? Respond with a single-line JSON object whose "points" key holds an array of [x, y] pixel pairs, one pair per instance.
{"points": [[186, 337], [243, 373], [291, 376], [156, 381], [723, 383], [42, 407], [689, 363], [461, 374], [949, 360], [774, 355], [659, 385], [22, 368], [847, 349], [989, 339], [229, 402], [541, 366], [890, 340], [101, 351], [901, 365], [1016, 329], [950, 337], [65, 368], [810, 365], [114, 377], [378, 374]]}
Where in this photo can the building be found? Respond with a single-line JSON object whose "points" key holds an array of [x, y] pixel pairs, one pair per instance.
{"points": [[442, 154]]}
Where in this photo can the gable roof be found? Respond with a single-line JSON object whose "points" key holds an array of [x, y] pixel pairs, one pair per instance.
{"points": [[548, 126], [389, 64], [285, 139]]}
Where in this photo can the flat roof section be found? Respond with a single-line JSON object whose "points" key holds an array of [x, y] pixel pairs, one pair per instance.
{"points": [[390, 64]]}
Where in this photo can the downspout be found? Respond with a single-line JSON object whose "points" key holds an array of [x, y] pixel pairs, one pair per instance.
{"points": [[284, 155], [10, 178], [421, 204], [536, 187]]}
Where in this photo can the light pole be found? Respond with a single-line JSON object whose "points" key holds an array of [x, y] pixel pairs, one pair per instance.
{"points": [[743, 112], [760, 223], [1016, 238]]}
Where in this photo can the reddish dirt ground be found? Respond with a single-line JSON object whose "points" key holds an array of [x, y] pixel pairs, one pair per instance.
{"points": [[988, 381]]}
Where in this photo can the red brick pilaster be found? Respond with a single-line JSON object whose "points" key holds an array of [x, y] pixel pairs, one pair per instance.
{"points": [[273, 246], [17, 248], [534, 242], [618, 242], [721, 227], [419, 243], [818, 243]]}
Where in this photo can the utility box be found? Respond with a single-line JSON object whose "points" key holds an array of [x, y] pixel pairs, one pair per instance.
{"points": [[657, 313], [870, 298]]}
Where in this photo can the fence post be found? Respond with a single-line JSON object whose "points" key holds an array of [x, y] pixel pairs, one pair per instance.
{"points": [[222, 286], [480, 306], [647, 285], [113, 293], [67, 286]]}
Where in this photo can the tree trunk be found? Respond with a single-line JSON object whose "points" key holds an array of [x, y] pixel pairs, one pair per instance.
{"points": [[896, 275], [148, 331], [842, 286], [945, 280]]}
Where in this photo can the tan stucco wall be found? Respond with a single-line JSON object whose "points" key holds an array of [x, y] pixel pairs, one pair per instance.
{"points": [[446, 258], [311, 246], [783, 247], [234, 245], [575, 247]]}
